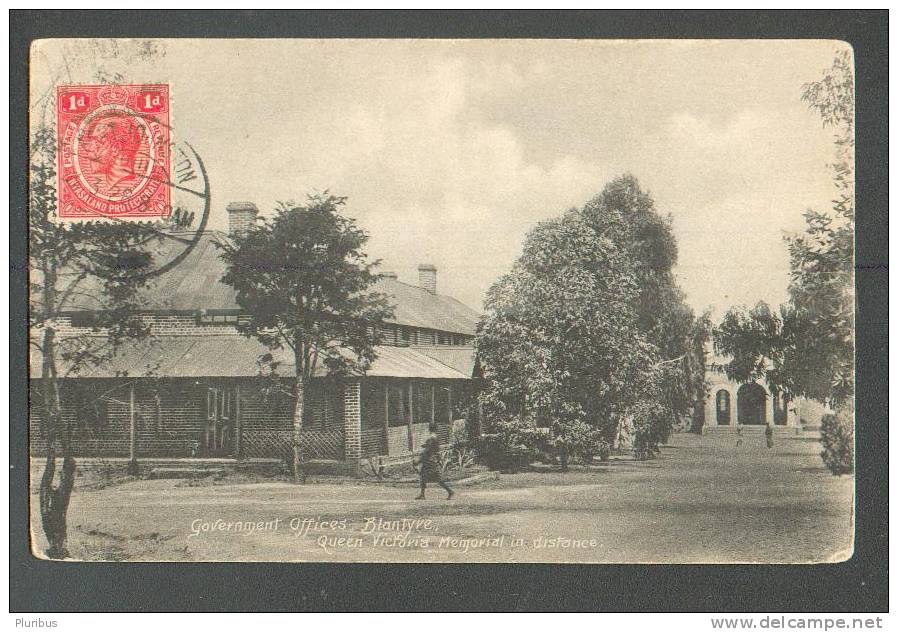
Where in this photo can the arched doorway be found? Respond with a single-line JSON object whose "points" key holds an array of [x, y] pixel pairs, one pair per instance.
{"points": [[723, 408], [751, 404]]}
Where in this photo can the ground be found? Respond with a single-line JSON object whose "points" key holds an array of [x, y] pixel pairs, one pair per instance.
{"points": [[702, 500]]}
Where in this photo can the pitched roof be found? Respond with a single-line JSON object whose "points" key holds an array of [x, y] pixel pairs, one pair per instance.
{"points": [[417, 307], [237, 356], [195, 284], [462, 359]]}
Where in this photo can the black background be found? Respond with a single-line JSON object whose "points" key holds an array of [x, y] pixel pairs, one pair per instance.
{"points": [[857, 585]]}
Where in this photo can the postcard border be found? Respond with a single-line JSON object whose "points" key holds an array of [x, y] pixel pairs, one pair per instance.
{"points": [[857, 585]]}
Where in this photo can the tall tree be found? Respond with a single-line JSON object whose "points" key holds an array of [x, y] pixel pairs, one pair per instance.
{"points": [[663, 316], [97, 266], [584, 328], [92, 266], [302, 279]]}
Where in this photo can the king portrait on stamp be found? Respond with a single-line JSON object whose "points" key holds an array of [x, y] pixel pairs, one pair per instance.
{"points": [[113, 151]]}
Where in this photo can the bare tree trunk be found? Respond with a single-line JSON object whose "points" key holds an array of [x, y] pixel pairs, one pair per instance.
{"points": [[54, 501], [298, 410], [617, 432]]}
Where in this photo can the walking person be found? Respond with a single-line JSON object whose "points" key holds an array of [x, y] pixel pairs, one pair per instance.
{"points": [[768, 433], [430, 465]]}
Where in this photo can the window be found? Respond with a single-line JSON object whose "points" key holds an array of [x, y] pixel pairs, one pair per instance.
{"points": [[406, 335], [210, 318], [723, 408]]}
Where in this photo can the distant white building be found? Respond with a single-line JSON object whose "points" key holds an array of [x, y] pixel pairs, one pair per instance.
{"points": [[752, 403]]}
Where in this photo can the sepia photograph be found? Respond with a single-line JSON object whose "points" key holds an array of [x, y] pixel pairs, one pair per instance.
{"points": [[442, 300]]}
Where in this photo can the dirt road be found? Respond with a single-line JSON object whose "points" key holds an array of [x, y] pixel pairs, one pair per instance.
{"points": [[702, 500]]}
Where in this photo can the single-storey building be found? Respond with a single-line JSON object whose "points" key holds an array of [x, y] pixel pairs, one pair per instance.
{"points": [[728, 402], [196, 387]]}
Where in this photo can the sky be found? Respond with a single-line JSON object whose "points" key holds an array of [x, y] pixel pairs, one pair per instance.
{"points": [[449, 151]]}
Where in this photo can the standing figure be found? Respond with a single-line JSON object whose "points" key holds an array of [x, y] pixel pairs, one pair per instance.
{"points": [[430, 464], [768, 433], [739, 427]]}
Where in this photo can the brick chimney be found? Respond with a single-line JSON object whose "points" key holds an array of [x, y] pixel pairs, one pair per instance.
{"points": [[241, 216], [427, 277]]}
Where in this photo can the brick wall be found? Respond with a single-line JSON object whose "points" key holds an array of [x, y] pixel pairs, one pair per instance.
{"points": [[160, 325], [241, 216], [352, 419]]}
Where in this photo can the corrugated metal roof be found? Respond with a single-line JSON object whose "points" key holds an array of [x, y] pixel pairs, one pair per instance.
{"points": [[237, 356], [195, 284], [406, 362], [462, 359], [417, 307]]}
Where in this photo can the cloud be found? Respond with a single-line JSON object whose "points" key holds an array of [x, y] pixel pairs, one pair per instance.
{"points": [[734, 186], [431, 182], [449, 151]]}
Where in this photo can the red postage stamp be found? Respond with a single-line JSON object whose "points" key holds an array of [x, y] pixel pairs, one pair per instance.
{"points": [[113, 152]]}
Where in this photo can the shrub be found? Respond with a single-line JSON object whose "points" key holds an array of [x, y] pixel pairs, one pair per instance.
{"points": [[644, 448], [567, 440], [459, 438], [463, 458], [581, 440], [650, 429], [460, 454], [510, 446], [594, 445], [837, 437]]}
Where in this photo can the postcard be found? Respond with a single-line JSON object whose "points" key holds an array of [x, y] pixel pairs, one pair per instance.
{"points": [[407, 300]]}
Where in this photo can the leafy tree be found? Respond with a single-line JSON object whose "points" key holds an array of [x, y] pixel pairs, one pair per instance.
{"points": [[581, 328], [752, 338], [73, 267], [97, 266], [302, 279]]}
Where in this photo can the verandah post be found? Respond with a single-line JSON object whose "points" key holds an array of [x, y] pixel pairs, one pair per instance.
{"points": [[132, 437], [352, 424], [386, 417], [479, 417], [451, 421], [433, 403], [238, 425], [411, 406]]}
